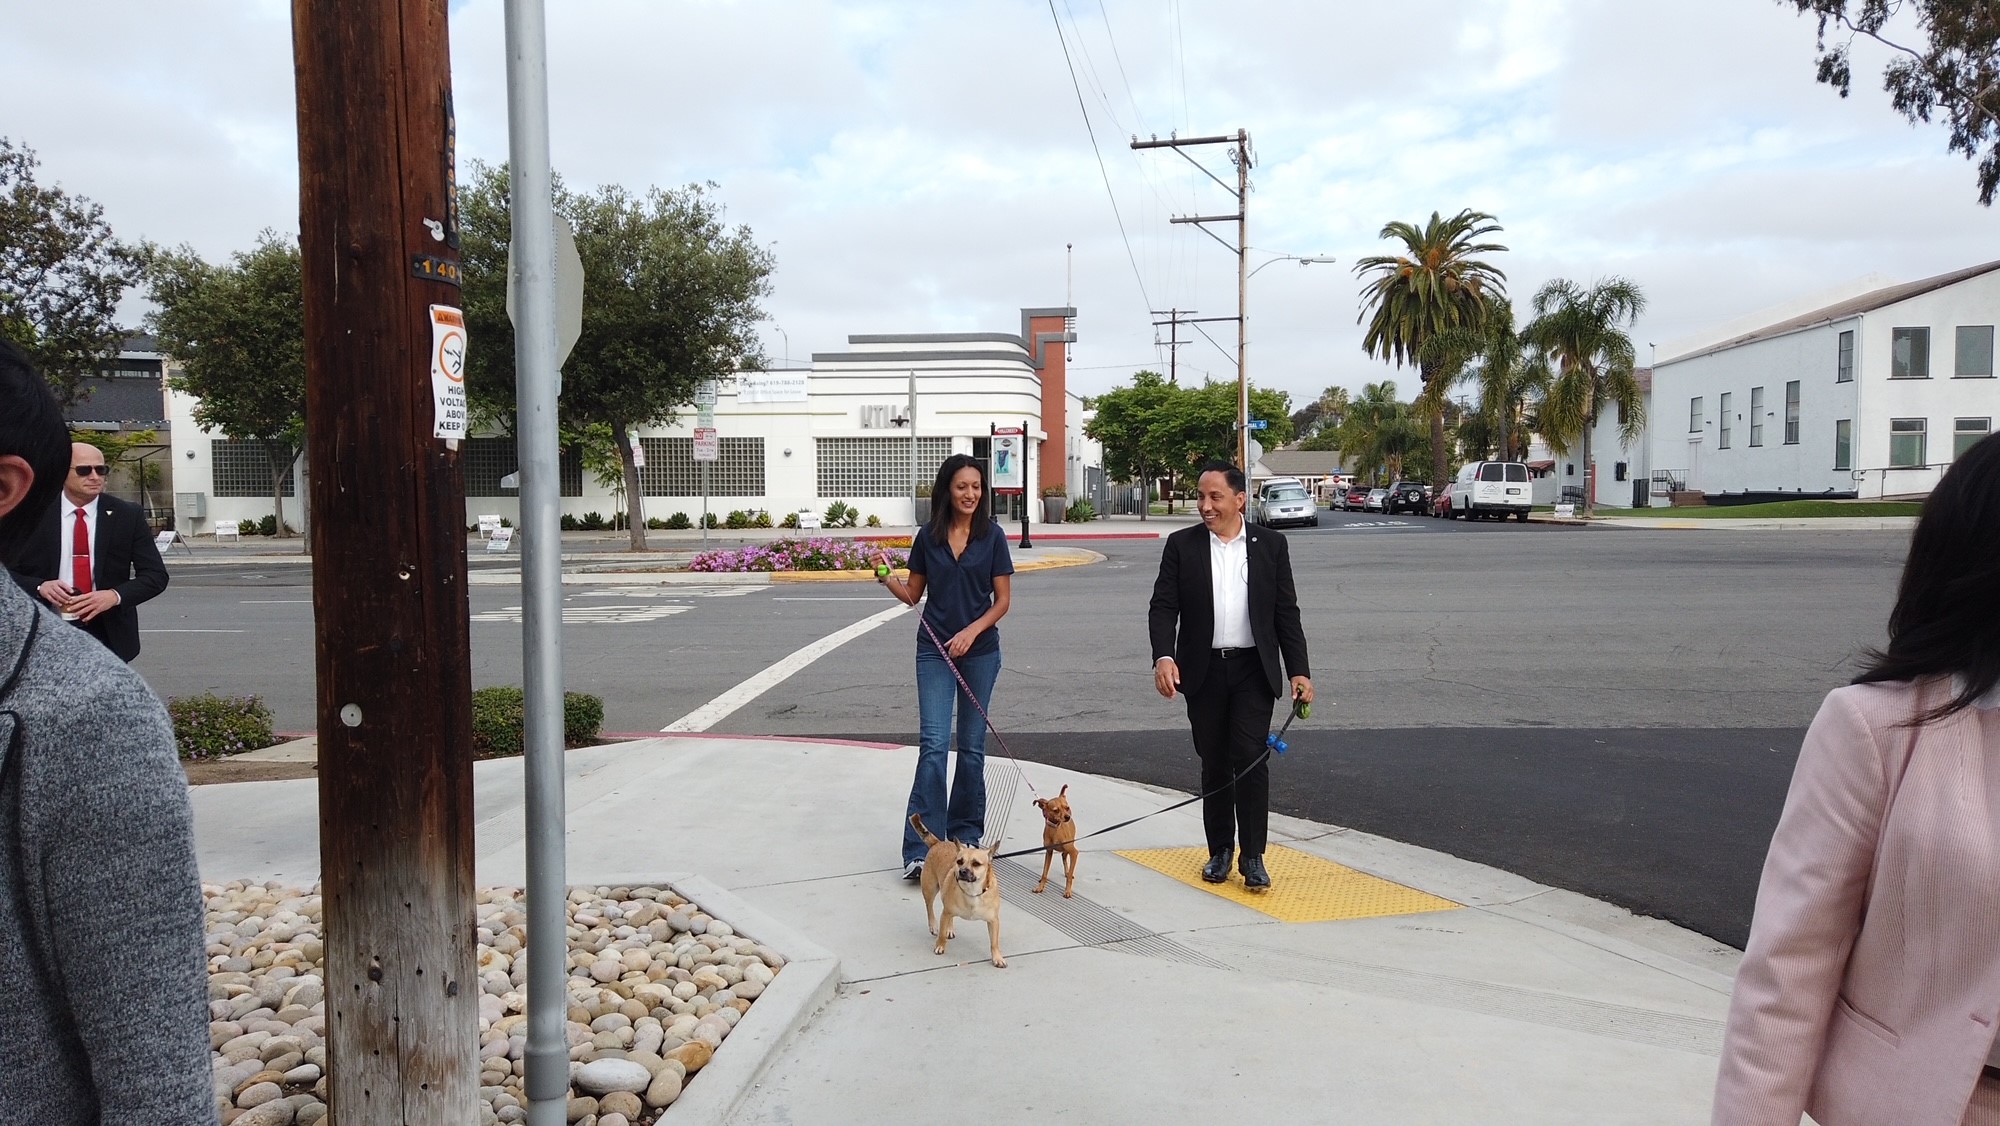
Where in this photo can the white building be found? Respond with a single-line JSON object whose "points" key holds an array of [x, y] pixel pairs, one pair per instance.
{"points": [[789, 440], [1873, 395]]}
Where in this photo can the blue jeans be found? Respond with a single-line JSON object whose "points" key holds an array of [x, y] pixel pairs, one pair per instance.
{"points": [[963, 818]]}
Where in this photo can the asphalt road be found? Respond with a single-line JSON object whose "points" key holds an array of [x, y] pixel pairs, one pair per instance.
{"points": [[1611, 711]]}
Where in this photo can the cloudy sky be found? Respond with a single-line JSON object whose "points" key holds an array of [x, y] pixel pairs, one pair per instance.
{"points": [[922, 165]]}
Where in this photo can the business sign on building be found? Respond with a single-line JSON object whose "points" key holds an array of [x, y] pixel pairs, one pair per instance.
{"points": [[771, 387]]}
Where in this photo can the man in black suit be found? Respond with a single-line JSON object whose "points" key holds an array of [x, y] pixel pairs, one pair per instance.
{"points": [[1228, 587], [92, 557]]}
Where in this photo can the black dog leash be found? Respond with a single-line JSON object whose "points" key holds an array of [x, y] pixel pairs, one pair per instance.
{"points": [[1273, 743]]}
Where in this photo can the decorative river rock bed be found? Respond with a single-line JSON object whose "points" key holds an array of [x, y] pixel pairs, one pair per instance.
{"points": [[655, 986]]}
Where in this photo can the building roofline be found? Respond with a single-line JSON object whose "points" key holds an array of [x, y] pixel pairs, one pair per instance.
{"points": [[891, 359], [939, 338], [1840, 311]]}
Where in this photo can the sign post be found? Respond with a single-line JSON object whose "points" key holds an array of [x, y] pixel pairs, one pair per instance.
{"points": [[1010, 469]]}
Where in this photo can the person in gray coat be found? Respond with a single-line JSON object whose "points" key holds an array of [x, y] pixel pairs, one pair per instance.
{"points": [[103, 985]]}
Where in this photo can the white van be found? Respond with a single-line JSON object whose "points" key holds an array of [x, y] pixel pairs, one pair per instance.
{"points": [[1491, 489]]}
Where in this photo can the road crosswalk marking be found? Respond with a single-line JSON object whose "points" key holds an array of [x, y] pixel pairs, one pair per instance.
{"points": [[591, 615]]}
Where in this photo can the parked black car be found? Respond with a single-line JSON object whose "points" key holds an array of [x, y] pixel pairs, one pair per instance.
{"points": [[1406, 496]]}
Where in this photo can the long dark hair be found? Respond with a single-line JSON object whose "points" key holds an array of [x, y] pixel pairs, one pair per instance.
{"points": [[31, 428], [941, 507], [1947, 616]]}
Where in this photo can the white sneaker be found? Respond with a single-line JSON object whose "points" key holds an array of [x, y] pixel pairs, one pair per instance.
{"points": [[913, 871]]}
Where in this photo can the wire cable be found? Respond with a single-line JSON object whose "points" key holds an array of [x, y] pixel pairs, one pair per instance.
{"points": [[1101, 171]]}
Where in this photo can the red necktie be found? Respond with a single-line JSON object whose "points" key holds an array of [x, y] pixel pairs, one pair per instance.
{"points": [[80, 555]]}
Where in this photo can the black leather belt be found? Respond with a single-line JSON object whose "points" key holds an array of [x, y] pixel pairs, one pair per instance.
{"points": [[1234, 653]]}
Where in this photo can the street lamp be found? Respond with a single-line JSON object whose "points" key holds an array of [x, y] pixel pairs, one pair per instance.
{"points": [[1242, 376], [1303, 260]]}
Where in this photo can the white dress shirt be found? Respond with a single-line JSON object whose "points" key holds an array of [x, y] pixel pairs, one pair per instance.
{"points": [[1229, 582], [66, 540]]}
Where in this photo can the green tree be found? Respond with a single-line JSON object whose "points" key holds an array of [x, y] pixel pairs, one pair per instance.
{"points": [[1127, 424], [671, 300], [1953, 73], [1509, 376], [1381, 434], [1582, 332], [238, 335], [1323, 413], [62, 275], [1437, 284]]}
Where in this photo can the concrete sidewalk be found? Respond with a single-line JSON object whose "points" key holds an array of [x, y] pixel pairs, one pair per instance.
{"points": [[1142, 999]]}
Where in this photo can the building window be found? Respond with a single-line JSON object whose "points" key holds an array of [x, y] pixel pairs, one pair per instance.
{"points": [[1910, 353], [1623, 415], [1843, 372], [1975, 352], [1618, 471], [1694, 415], [487, 460], [243, 469], [1792, 413], [1967, 433], [1843, 444], [877, 467], [672, 471], [1906, 443], [1723, 428], [1756, 416]]}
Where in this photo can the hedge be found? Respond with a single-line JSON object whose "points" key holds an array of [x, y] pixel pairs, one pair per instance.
{"points": [[210, 726], [500, 713]]}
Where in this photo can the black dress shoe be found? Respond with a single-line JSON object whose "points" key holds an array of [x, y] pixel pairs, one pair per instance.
{"points": [[1254, 876], [1217, 868]]}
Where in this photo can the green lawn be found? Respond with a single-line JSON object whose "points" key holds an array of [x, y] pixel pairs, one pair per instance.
{"points": [[1780, 510]]}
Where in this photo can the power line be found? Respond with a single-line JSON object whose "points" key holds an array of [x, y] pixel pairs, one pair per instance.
{"points": [[1137, 116], [1089, 129]]}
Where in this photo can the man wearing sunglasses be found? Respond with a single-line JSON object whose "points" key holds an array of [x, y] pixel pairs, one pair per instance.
{"points": [[93, 557]]}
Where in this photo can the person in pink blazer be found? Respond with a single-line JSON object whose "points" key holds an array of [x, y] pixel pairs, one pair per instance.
{"points": [[1869, 993]]}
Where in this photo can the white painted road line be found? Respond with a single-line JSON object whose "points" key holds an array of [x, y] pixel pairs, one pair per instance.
{"points": [[834, 598], [713, 712]]}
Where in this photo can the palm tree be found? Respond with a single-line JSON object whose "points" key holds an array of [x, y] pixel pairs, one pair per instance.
{"points": [[1509, 374], [1582, 333], [1435, 286], [1379, 431]]}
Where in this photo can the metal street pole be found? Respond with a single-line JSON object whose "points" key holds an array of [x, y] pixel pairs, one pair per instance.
{"points": [[1242, 294], [1026, 543], [913, 446], [536, 387]]}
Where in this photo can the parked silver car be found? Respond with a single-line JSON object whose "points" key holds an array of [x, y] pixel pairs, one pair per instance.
{"points": [[1286, 504]]}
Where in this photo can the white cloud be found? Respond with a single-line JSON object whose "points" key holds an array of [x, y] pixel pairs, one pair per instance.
{"points": [[923, 166]]}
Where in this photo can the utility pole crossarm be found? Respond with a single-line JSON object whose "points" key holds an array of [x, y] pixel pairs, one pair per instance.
{"points": [[1177, 142]]}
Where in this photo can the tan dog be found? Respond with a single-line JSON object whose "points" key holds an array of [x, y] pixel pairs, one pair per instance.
{"points": [[1058, 835], [963, 875]]}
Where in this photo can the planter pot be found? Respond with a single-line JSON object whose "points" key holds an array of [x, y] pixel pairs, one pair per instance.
{"points": [[1053, 509], [923, 511]]}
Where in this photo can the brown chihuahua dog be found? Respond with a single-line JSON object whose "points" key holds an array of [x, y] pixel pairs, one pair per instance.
{"points": [[962, 875], [1058, 835]]}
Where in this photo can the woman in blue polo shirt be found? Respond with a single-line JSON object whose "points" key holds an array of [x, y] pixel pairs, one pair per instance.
{"points": [[960, 560]]}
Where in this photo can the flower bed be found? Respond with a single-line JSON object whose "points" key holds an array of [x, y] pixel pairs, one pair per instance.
{"points": [[798, 555]]}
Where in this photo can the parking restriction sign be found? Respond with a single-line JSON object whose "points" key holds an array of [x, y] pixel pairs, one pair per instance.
{"points": [[706, 444]]}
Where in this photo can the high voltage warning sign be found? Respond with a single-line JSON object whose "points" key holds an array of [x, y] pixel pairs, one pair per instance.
{"points": [[448, 371]]}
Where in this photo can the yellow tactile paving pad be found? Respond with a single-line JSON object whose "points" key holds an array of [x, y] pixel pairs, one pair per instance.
{"points": [[1304, 888]]}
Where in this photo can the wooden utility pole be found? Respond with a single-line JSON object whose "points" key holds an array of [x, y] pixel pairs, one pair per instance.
{"points": [[378, 231], [1175, 318], [1241, 158]]}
